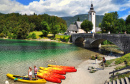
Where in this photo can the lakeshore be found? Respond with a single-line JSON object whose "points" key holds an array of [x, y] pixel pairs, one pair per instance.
{"points": [[83, 76], [78, 58]]}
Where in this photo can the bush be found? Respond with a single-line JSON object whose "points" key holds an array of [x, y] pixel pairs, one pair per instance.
{"points": [[33, 36], [45, 33], [1, 34]]}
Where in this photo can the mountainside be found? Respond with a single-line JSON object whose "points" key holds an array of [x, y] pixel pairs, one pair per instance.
{"points": [[82, 17]]}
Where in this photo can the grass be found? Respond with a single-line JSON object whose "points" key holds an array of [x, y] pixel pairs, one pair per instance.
{"points": [[38, 33], [64, 38], [122, 62]]}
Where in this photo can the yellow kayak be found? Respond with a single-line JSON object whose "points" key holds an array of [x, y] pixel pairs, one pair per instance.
{"points": [[25, 79]]}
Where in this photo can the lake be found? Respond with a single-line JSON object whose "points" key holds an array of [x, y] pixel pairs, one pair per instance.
{"points": [[16, 56]]}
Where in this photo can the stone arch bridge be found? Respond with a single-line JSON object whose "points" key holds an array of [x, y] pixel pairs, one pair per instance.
{"points": [[94, 40]]}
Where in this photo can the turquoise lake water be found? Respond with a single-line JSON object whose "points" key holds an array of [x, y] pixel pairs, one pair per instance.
{"points": [[17, 55]]}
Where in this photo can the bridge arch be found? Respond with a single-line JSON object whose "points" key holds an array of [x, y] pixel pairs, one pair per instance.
{"points": [[79, 41], [93, 40]]}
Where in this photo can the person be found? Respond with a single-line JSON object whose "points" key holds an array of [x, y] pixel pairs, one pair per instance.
{"points": [[30, 73], [108, 32], [95, 59], [103, 62], [35, 72], [125, 32]]}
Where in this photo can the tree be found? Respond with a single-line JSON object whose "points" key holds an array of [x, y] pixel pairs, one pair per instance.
{"points": [[78, 19], [109, 22], [128, 20], [120, 24], [55, 29], [45, 28], [86, 25]]}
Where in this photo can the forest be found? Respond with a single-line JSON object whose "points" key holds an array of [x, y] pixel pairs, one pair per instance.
{"points": [[17, 26]]}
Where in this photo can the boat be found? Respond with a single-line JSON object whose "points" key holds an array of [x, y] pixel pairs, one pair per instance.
{"points": [[53, 70], [48, 77], [53, 74], [60, 66], [60, 69], [25, 79]]}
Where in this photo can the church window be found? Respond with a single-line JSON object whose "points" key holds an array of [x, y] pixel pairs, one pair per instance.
{"points": [[90, 13]]}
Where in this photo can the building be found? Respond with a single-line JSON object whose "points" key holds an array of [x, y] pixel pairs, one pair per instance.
{"points": [[76, 27], [91, 17]]}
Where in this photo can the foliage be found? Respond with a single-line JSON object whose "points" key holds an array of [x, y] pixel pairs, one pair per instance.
{"points": [[125, 58], [78, 19], [98, 57], [106, 42], [19, 26], [128, 20], [87, 25], [71, 20], [111, 23], [33, 36], [45, 28], [1, 34], [55, 29]]}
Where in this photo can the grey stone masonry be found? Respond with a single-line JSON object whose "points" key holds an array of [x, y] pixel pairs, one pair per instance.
{"points": [[93, 40]]}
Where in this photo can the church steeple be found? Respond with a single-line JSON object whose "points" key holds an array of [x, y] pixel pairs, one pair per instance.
{"points": [[91, 16]]}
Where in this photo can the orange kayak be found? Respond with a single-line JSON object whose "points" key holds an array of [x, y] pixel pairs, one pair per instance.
{"points": [[53, 70], [60, 69], [60, 66], [53, 74], [48, 77]]}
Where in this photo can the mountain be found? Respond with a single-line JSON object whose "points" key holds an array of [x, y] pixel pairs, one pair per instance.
{"points": [[82, 17]]}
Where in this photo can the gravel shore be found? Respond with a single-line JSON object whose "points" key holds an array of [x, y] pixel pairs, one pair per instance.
{"points": [[83, 76]]}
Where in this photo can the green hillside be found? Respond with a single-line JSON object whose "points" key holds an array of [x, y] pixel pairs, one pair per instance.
{"points": [[82, 17]]}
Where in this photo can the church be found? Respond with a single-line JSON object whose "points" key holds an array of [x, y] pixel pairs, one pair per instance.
{"points": [[76, 27]]}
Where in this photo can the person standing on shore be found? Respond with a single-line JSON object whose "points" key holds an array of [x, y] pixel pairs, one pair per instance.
{"points": [[30, 73], [103, 62], [96, 59], [35, 72]]}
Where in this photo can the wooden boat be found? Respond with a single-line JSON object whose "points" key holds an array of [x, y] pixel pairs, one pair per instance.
{"points": [[25, 79]]}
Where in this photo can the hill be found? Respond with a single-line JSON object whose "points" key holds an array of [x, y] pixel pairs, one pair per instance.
{"points": [[82, 17]]}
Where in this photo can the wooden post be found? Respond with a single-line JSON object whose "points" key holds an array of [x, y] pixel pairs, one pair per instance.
{"points": [[113, 75]]}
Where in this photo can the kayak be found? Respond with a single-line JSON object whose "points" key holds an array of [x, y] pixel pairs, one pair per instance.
{"points": [[60, 69], [48, 77], [25, 79], [53, 70], [53, 74], [60, 66]]}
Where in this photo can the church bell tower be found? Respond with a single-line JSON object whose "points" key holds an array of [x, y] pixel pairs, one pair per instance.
{"points": [[91, 17]]}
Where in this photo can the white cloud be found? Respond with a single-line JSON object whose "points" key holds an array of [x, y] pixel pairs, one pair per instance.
{"points": [[62, 7], [8, 6], [124, 17]]}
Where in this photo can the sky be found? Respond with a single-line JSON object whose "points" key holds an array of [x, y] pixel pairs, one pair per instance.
{"points": [[62, 8]]}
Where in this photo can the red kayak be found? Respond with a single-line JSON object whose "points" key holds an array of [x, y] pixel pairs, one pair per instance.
{"points": [[48, 77], [52, 74], [60, 66], [53, 70]]}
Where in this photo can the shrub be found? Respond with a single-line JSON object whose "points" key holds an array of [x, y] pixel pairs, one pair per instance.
{"points": [[33, 36], [1, 34]]}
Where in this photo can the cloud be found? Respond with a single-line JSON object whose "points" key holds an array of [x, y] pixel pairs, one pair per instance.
{"points": [[64, 7], [8, 6]]}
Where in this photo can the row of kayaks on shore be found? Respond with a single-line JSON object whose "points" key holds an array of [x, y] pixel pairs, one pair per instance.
{"points": [[53, 73]]}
